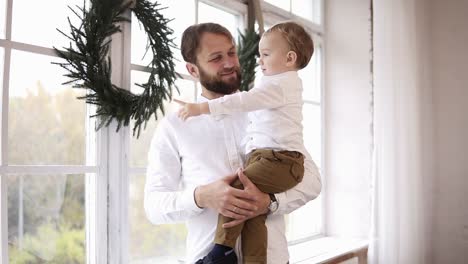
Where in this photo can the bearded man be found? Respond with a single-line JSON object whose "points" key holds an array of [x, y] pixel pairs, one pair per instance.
{"points": [[192, 162]]}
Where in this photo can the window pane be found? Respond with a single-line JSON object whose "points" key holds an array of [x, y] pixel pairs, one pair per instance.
{"points": [[306, 221], [312, 131], [312, 77], [310, 215], [139, 147], [207, 13], [283, 4], [308, 9], [2, 18], [178, 24], [46, 218], [162, 244], [44, 17], [46, 121]]}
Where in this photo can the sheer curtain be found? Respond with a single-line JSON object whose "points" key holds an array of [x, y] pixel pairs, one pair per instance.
{"points": [[402, 167]]}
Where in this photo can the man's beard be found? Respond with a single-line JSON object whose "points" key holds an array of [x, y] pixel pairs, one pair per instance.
{"points": [[217, 84]]}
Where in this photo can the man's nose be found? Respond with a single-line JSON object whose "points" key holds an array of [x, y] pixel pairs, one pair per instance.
{"points": [[229, 63]]}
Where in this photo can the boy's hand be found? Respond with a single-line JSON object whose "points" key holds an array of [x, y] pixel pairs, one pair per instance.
{"points": [[188, 109]]}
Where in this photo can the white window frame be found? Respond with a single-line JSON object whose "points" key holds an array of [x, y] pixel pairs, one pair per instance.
{"points": [[105, 219], [272, 15]]}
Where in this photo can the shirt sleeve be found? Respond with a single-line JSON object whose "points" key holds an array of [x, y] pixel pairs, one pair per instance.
{"points": [[165, 200], [308, 189], [266, 95]]}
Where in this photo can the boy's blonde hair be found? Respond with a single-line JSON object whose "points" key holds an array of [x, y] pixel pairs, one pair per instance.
{"points": [[298, 40]]}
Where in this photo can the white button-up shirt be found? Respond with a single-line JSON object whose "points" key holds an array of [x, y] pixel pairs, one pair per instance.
{"points": [[275, 107], [184, 155]]}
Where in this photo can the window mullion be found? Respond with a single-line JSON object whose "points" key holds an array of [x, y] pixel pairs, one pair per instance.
{"points": [[4, 139], [4, 107], [118, 150], [3, 220], [97, 202], [323, 168], [107, 192]]}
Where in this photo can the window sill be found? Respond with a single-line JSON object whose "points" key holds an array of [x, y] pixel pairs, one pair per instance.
{"points": [[329, 250], [324, 250]]}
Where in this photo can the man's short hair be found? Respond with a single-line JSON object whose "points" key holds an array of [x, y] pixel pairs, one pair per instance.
{"points": [[190, 42], [298, 40]]}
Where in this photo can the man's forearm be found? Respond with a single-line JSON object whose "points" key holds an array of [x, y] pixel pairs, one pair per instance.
{"points": [[163, 207]]}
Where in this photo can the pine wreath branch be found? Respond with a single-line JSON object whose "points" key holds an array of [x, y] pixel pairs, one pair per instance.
{"points": [[89, 66], [160, 44], [248, 54]]}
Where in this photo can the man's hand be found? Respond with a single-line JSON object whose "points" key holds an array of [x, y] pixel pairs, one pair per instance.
{"points": [[259, 199], [227, 200], [190, 109]]}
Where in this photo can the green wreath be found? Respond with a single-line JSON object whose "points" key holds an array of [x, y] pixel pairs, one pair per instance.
{"points": [[89, 66]]}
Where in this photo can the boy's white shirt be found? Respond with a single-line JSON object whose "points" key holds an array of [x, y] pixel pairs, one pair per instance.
{"points": [[203, 149], [275, 112]]}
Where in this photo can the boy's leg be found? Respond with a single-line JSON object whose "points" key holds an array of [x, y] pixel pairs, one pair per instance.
{"points": [[275, 171], [254, 240], [272, 172], [227, 236]]}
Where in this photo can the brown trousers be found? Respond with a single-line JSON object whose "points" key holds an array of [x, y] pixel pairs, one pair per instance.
{"points": [[272, 172]]}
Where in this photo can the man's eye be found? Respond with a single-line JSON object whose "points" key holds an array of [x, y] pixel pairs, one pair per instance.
{"points": [[216, 59], [232, 53]]}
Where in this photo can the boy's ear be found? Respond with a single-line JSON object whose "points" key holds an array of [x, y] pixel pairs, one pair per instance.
{"points": [[192, 69], [291, 58]]}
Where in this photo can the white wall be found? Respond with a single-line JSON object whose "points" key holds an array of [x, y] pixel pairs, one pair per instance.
{"points": [[347, 125], [449, 48], [348, 117]]}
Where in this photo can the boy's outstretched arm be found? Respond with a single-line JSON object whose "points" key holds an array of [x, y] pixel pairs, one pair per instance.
{"points": [[192, 109]]}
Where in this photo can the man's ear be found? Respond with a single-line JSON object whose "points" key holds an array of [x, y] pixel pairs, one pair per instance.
{"points": [[192, 69], [291, 58]]}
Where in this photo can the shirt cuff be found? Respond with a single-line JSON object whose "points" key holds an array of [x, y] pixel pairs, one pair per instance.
{"points": [[188, 200]]}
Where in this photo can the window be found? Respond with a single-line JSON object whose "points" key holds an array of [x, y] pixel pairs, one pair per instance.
{"points": [[311, 214], [310, 10], [43, 31], [309, 14], [45, 144], [65, 188]]}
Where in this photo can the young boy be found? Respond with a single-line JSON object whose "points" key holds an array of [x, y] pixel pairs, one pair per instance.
{"points": [[275, 147]]}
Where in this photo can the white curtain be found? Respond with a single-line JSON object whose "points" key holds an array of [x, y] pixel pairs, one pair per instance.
{"points": [[402, 167]]}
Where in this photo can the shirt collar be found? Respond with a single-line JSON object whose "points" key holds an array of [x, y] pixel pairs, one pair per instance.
{"points": [[288, 74], [202, 99]]}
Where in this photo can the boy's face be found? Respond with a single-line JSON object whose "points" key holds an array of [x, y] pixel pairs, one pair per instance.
{"points": [[273, 50], [217, 65]]}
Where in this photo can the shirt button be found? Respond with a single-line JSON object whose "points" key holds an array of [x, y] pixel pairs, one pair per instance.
{"points": [[251, 138]]}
